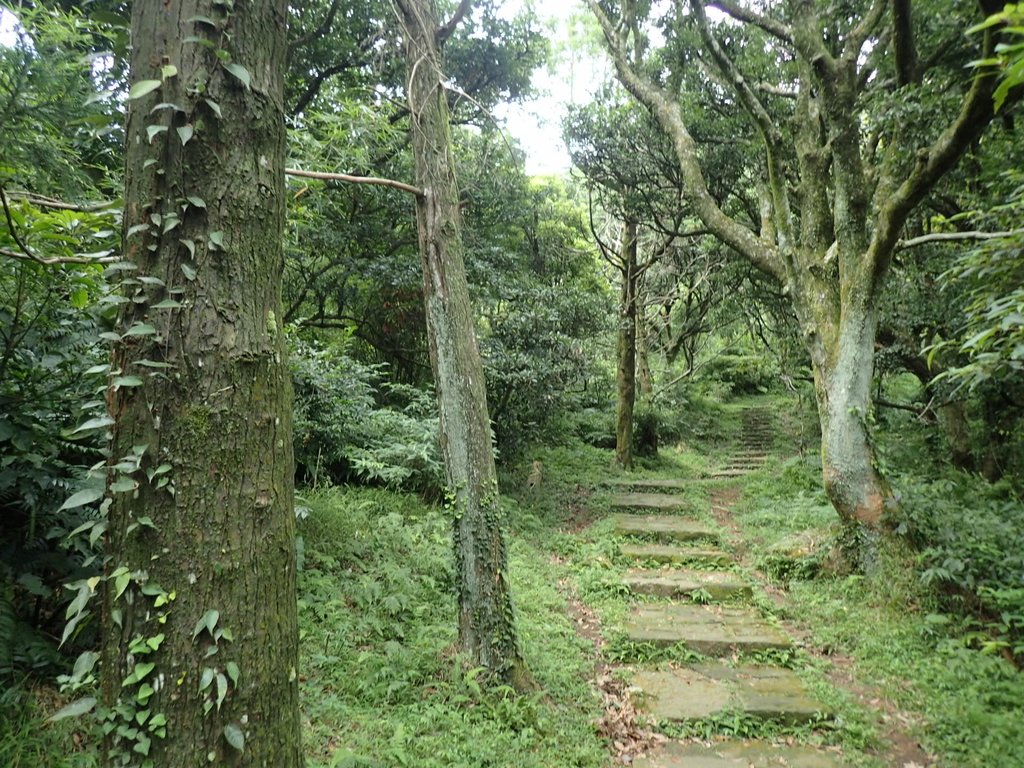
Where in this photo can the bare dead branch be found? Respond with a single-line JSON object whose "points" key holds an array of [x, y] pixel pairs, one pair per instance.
{"points": [[400, 185], [947, 237]]}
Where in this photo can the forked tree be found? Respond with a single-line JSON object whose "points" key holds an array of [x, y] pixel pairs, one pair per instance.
{"points": [[842, 179]]}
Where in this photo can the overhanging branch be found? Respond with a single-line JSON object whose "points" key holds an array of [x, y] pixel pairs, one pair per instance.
{"points": [[373, 180], [946, 237]]}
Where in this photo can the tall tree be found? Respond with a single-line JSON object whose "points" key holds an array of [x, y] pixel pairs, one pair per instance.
{"points": [[486, 619], [201, 643], [843, 173]]}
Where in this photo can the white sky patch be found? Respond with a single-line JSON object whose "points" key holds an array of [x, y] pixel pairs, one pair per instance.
{"points": [[571, 78], [8, 28]]}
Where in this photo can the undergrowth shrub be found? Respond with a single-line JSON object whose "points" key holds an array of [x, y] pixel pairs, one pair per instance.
{"points": [[49, 338], [351, 424], [970, 538]]}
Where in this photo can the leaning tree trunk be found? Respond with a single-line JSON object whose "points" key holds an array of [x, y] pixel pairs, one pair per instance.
{"points": [[200, 643], [486, 619], [625, 376]]}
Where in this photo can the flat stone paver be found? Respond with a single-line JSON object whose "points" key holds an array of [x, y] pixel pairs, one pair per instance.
{"points": [[695, 693], [710, 630], [718, 585], [737, 754], [665, 528], [659, 501], [669, 554], [729, 473], [651, 484]]}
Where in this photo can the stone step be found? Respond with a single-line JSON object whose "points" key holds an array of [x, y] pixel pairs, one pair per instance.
{"points": [[666, 553], [700, 691], [650, 484], [665, 528], [718, 585], [737, 754], [711, 630], [659, 501], [721, 473]]}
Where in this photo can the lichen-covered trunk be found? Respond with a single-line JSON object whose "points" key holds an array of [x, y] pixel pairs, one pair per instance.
{"points": [[625, 372], [486, 618], [200, 646], [842, 356]]}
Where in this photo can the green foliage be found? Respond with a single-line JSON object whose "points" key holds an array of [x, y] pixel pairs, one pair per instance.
{"points": [[978, 567], [48, 340], [351, 423], [992, 274]]}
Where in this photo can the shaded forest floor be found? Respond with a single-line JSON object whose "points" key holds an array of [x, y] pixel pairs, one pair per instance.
{"points": [[900, 680]]}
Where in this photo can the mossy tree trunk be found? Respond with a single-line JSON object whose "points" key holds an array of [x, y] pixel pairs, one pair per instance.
{"points": [[200, 644], [486, 618], [625, 372], [835, 204]]}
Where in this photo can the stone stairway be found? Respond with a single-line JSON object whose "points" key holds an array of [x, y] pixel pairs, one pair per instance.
{"points": [[756, 440], [680, 564]]}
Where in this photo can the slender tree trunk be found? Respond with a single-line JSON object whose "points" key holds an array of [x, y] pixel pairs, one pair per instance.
{"points": [[486, 619], [645, 378], [626, 369], [200, 644]]}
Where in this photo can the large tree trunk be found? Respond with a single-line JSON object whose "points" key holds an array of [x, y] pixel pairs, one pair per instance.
{"points": [[200, 644], [486, 619], [626, 369], [842, 356]]}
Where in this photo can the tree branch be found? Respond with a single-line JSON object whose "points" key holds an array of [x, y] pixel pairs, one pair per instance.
{"points": [[946, 237], [27, 254], [771, 26], [975, 114], [323, 29], [48, 202], [415, 191], [857, 36], [669, 115], [903, 41], [770, 133], [446, 30]]}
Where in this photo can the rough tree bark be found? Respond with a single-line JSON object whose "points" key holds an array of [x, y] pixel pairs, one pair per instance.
{"points": [[625, 372], [853, 198], [200, 642], [486, 618]]}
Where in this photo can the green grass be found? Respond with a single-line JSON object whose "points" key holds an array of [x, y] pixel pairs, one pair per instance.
{"points": [[382, 686], [28, 741]]}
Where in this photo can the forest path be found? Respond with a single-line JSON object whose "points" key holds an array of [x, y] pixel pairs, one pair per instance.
{"points": [[691, 588]]}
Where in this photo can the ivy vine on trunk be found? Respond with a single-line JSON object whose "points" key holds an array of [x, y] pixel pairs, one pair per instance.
{"points": [[200, 630]]}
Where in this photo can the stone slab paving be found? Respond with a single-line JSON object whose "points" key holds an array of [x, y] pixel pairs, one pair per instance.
{"points": [[696, 693], [665, 528], [658, 501], [729, 473], [737, 754], [672, 555], [651, 484], [711, 630], [718, 585]]}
